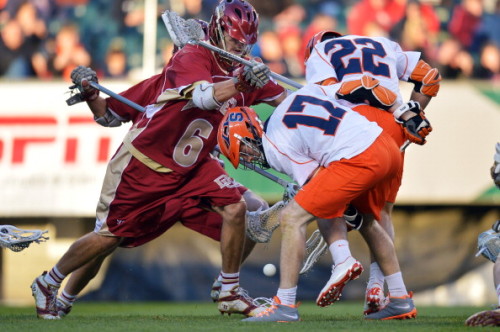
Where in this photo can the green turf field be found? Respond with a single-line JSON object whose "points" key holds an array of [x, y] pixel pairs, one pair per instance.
{"points": [[170, 316]]}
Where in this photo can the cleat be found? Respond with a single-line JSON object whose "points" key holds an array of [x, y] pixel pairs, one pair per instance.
{"points": [[396, 308], [237, 301], [342, 273], [215, 291], [63, 308], [277, 312], [45, 296], [374, 300], [485, 318]]}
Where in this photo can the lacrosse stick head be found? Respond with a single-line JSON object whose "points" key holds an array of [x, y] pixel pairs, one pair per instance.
{"points": [[241, 125], [183, 31], [17, 239], [236, 19], [318, 38], [260, 225], [316, 247]]}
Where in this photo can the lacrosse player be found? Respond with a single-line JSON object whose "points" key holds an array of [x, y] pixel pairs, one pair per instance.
{"points": [[338, 157], [367, 71], [489, 247], [163, 172]]}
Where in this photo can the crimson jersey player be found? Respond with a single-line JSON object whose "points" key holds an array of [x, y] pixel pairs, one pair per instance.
{"points": [[163, 172]]}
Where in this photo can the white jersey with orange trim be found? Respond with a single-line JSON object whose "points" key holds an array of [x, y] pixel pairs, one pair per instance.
{"points": [[310, 129], [349, 57]]}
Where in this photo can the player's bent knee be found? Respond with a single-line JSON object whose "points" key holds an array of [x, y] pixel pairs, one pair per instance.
{"points": [[234, 213]]}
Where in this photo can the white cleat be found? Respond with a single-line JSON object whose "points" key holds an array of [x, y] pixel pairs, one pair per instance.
{"points": [[45, 296], [342, 273]]}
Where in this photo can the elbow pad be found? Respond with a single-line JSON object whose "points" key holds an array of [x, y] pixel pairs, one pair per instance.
{"points": [[426, 79], [203, 97], [110, 119]]}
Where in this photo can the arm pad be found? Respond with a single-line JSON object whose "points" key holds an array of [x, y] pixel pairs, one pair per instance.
{"points": [[110, 119], [426, 79], [203, 97]]}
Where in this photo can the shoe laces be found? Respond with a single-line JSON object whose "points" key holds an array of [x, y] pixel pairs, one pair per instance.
{"points": [[270, 310], [263, 302]]}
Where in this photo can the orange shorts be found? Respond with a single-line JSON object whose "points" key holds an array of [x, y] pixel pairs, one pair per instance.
{"points": [[365, 180], [386, 121]]}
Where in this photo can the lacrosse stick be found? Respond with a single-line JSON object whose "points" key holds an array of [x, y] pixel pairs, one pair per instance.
{"points": [[77, 97], [261, 224], [405, 145], [17, 239], [315, 248], [184, 32]]}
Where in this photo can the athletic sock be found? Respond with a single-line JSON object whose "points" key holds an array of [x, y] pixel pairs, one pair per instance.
{"points": [[67, 298], [287, 296], [229, 281], [340, 251], [376, 276], [396, 285], [54, 277]]}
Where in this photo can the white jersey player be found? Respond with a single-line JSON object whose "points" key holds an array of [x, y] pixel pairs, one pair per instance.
{"points": [[369, 69], [297, 149]]}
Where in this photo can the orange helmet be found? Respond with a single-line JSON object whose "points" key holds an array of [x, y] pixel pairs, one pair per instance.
{"points": [[318, 38], [240, 125]]}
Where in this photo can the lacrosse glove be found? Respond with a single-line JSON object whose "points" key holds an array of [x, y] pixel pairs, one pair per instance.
{"points": [[488, 243], [81, 76], [254, 77], [417, 127]]}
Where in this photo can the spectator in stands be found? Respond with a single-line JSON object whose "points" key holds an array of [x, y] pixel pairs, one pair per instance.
{"points": [[418, 29], [69, 51], [374, 17], [456, 55], [116, 60]]}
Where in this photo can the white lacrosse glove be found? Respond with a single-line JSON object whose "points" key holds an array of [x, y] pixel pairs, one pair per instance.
{"points": [[81, 76], [488, 243]]}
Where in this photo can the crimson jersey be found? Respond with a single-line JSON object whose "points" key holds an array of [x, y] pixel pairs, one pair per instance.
{"points": [[172, 131]]}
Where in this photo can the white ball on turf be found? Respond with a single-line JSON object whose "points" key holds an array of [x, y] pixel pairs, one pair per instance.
{"points": [[269, 270]]}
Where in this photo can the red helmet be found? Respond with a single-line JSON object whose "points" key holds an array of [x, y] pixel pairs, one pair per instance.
{"points": [[318, 38], [236, 18], [240, 124]]}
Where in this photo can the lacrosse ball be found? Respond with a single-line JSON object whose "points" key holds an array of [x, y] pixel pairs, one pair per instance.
{"points": [[269, 270]]}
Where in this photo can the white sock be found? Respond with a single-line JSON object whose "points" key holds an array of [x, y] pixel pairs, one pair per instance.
{"points": [[396, 285], [498, 294], [340, 251], [229, 281], [67, 298], [287, 296], [54, 277], [376, 276]]}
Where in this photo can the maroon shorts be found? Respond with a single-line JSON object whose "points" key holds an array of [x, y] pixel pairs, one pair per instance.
{"points": [[140, 204]]}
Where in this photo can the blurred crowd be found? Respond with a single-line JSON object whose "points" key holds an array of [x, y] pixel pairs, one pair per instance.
{"points": [[46, 39]]}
